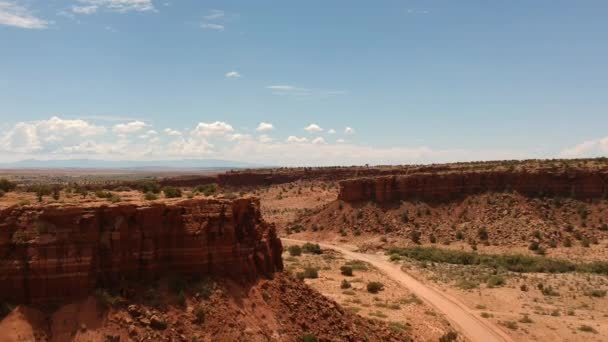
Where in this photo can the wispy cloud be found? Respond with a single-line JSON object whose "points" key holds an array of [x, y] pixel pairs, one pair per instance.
{"points": [[214, 27], [287, 89], [216, 20], [12, 14], [121, 6], [415, 11], [232, 75], [214, 15]]}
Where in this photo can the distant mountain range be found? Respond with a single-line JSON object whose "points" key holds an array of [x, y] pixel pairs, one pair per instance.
{"points": [[128, 164]]}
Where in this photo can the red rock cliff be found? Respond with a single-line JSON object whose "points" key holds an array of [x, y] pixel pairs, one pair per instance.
{"points": [[447, 186], [51, 254]]}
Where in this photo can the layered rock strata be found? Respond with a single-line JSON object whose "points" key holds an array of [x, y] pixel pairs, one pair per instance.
{"points": [[580, 184], [55, 253]]}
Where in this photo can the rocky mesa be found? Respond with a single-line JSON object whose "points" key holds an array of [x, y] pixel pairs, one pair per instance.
{"points": [[441, 187], [52, 254]]}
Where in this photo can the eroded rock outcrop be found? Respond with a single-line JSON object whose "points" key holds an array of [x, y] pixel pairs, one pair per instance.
{"points": [[581, 184], [55, 253]]}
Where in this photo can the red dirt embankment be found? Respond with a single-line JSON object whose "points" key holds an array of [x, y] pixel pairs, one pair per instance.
{"points": [[53, 254], [440, 187]]}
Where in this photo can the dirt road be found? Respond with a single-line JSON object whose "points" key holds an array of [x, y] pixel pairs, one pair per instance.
{"points": [[464, 320]]}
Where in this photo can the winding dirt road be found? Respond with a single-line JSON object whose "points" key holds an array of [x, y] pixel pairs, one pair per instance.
{"points": [[462, 318]]}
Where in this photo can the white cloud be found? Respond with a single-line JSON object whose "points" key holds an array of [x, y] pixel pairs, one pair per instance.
{"points": [[149, 134], [214, 14], [589, 148], [340, 141], [84, 9], [121, 6], [294, 139], [331, 131], [349, 130], [232, 75], [12, 14], [282, 87], [215, 129], [238, 137], [43, 135], [264, 138], [264, 127], [313, 128], [172, 132], [130, 127], [318, 141], [58, 138], [214, 27]]}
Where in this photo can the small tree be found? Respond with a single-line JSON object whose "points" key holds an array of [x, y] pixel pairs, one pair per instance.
{"points": [[415, 236], [482, 233], [6, 185], [311, 248], [346, 270], [294, 250], [374, 287], [172, 192]]}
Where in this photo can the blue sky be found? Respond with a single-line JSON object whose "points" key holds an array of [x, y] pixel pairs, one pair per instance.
{"points": [[413, 81]]}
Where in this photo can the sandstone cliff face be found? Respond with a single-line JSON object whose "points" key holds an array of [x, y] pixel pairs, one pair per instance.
{"points": [[448, 186], [52, 254]]}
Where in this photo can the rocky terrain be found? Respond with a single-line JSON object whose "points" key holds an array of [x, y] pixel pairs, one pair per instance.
{"points": [[442, 187], [203, 269], [55, 253]]}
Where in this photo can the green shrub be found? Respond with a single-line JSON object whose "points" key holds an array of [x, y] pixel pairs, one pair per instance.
{"points": [[345, 284], [526, 319], [587, 328], [496, 281], [308, 273], [103, 194], [2, 193], [596, 293], [294, 250], [395, 257], [374, 287], [150, 196], [6, 185], [549, 291], [308, 338], [207, 189], [534, 246], [346, 270], [450, 336], [172, 192], [415, 236], [459, 235], [199, 313], [114, 198], [482, 233], [105, 298], [311, 248], [149, 186], [515, 263]]}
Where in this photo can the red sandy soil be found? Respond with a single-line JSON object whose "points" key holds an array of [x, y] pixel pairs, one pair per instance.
{"points": [[281, 309]]}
